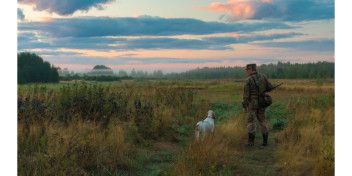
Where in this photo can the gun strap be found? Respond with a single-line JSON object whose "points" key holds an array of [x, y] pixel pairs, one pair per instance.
{"points": [[256, 87]]}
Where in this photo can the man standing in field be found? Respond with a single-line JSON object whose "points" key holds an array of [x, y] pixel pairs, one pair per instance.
{"points": [[251, 105]]}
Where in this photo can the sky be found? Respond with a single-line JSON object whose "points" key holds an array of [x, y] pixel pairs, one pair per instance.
{"points": [[175, 36]]}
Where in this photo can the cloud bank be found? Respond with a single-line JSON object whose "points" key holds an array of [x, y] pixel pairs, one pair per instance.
{"points": [[141, 26], [30, 41], [284, 10], [322, 45], [65, 7], [20, 15]]}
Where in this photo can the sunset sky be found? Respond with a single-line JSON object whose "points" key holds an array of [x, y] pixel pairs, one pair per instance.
{"points": [[176, 35]]}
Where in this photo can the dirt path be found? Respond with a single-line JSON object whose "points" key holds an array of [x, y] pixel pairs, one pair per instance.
{"points": [[259, 162], [160, 158]]}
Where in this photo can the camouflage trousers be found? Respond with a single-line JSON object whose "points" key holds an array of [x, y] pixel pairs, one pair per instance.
{"points": [[256, 112]]}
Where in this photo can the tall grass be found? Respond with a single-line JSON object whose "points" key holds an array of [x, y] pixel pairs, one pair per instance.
{"points": [[89, 129], [306, 146], [80, 148], [214, 156]]}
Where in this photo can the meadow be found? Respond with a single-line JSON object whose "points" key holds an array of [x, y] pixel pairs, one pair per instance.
{"points": [[146, 127]]}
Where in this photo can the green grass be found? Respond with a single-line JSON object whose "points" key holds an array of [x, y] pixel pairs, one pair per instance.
{"points": [[227, 87], [277, 115]]}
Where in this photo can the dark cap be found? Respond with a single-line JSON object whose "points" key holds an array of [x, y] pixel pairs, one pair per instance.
{"points": [[251, 66]]}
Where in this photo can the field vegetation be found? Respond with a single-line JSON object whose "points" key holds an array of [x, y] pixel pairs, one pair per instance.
{"points": [[146, 127]]}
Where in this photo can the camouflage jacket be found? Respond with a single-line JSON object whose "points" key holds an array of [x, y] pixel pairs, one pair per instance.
{"points": [[250, 90]]}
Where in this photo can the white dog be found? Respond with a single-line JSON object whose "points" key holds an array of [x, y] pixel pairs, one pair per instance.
{"points": [[205, 127]]}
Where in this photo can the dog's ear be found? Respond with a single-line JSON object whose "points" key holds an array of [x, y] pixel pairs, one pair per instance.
{"points": [[213, 115]]}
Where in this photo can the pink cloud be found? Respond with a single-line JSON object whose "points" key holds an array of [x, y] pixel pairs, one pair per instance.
{"points": [[47, 19], [239, 9]]}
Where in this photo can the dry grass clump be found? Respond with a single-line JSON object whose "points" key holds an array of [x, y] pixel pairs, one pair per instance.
{"points": [[306, 146], [79, 148], [214, 156], [307, 89]]}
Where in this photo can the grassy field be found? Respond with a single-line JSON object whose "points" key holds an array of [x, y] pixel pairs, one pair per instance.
{"points": [[146, 127]]}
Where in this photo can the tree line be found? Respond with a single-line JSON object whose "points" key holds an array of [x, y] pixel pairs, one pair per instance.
{"points": [[98, 73], [280, 70], [31, 68]]}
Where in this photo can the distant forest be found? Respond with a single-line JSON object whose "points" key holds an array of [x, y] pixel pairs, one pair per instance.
{"points": [[98, 73], [280, 70], [31, 68]]}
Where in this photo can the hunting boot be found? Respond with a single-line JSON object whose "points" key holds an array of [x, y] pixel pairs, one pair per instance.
{"points": [[251, 137], [265, 141]]}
